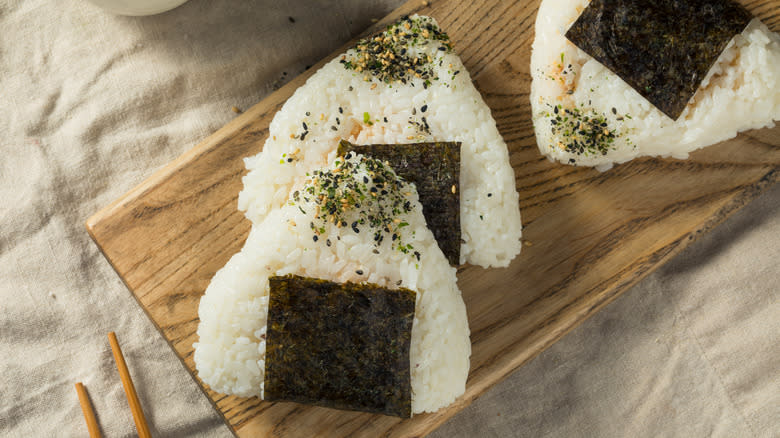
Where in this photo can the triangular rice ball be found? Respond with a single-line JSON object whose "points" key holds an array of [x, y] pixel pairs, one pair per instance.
{"points": [[402, 86], [584, 114], [300, 238]]}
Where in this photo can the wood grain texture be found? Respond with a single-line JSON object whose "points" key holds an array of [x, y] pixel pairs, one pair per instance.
{"points": [[589, 235]]}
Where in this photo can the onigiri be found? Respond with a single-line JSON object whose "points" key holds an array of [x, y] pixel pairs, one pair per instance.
{"points": [[585, 115], [404, 85], [334, 227]]}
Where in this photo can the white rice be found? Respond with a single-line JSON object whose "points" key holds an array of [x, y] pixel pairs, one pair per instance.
{"points": [[740, 92], [490, 216], [230, 353]]}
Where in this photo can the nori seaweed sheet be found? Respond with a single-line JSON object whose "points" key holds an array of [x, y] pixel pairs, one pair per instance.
{"points": [[661, 48], [435, 169], [343, 346]]}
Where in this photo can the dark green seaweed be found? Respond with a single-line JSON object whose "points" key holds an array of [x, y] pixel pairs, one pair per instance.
{"points": [[661, 48], [343, 346], [435, 169]]}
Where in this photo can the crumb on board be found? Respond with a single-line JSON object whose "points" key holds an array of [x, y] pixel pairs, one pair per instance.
{"points": [[528, 243], [236, 110]]}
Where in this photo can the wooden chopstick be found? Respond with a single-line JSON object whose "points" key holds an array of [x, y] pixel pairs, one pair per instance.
{"points": [[127, 382], [89, 414]]}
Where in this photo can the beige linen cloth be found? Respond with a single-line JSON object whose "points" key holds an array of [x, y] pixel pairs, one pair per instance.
{"points": [[94, 103]]}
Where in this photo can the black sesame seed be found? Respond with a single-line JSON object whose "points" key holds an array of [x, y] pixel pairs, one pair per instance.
{"points": [[341, 110], [315, 237], [489, 195], [614, 110], [359, 272], [424, 108], [292, 20], [305, 128], [333, 128], [327, 242]]}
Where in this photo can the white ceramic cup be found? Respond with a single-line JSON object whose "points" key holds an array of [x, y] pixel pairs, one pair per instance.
{"points": [[137, 7]]}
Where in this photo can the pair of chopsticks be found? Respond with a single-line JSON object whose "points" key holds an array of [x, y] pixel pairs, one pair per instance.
{"points": [[132, 396]]}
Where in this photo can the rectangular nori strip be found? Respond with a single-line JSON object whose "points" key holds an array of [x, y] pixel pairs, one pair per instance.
{"points": [[661, 48], [343, 346], [435, 169]]}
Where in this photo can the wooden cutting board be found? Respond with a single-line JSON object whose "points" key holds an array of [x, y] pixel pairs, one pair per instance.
{"points": [[588, 236]]}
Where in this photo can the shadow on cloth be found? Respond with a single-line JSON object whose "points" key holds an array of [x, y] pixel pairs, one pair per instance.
{"points": [[225, 32]]}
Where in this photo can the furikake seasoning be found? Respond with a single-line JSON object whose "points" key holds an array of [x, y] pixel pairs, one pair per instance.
{"points": [[343, 346], [583, 131], [363, 195], [662, 48], [393, 55], [434, 168]]}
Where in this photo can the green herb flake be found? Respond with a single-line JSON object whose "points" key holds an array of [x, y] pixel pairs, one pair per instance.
{"points": [[434, 168], [584, 131], [387, 58], [363, 195]]}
